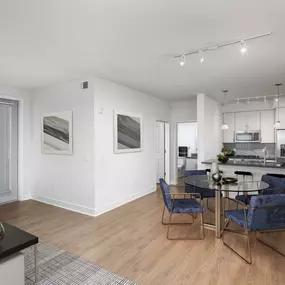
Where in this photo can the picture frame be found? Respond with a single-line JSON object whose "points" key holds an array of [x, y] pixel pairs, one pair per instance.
{"points": [[128, 132], [57, 133]]}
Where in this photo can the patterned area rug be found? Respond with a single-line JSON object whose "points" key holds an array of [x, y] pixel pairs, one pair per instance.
{"points": [[59, 267]]}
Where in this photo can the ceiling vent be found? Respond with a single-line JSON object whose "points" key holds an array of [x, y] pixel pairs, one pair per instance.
{"points": [[84, 85]]}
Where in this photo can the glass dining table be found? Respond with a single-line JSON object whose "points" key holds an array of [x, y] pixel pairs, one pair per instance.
{"points": [[200, 183]]}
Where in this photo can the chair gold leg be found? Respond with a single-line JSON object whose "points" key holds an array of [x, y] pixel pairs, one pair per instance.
{"points": [[165, 224], [270, 246], [178, 238], [162, 218], [249, 261], [202, 226], [167, 234]]}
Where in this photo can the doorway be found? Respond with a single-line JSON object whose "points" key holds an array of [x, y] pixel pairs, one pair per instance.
{"points": [[162, 137], [187, 147], [8, 151]]}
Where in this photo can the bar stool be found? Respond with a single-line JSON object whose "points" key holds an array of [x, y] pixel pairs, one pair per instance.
{"points": [[244, 174], [208, 170]]}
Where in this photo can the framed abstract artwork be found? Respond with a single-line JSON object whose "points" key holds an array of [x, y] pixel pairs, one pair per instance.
{"points": [[127, 132], [57, 133]]}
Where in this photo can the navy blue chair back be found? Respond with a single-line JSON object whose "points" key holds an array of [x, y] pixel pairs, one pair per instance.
{"points": [[267, 212], [188, 188], [194, 172], [166, 194], [276, 184]]}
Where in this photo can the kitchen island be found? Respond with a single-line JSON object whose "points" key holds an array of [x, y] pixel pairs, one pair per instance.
{"points": [[257, 168]]}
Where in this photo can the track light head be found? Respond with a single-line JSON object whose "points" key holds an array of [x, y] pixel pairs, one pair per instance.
{"points": [[201, 55], [182, 60], [265, 99], [243, 47]]}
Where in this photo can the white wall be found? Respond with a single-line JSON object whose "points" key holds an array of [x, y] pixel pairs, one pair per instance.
{"points": [[183, 111], [209, 128], [187, 136], [25, 166], [120, 178], [66, 180]]}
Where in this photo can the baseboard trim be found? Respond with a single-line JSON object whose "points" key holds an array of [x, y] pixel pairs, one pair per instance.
{"points": [[65, 205], [90, 211], [117, 204]]}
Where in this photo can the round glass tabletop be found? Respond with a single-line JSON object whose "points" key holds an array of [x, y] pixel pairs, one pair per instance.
{"points": [[203, 181]]}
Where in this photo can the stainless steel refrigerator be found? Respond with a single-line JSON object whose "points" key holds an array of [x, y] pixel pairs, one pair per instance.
{"points": [[280, 146]]}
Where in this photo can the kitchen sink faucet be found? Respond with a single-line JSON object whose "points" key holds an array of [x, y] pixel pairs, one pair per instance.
{"points": [[265, 151]]}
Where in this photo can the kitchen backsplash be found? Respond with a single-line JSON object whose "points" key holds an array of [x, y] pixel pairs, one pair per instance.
{"points": [[252, 148]]}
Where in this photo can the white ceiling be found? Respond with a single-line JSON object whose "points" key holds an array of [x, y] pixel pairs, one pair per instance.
{"points": [[133, 42]]}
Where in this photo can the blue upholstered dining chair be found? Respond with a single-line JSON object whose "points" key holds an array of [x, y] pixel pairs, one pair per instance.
{"points": [[205, 193], [177, 205], [276, 186], [265, 213]]}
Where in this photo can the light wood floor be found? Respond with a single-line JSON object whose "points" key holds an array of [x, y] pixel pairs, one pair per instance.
{"points": [[131, 242]]}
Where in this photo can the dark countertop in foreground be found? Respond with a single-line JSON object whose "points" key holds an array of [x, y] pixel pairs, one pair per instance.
{"points": [[247, 164]]}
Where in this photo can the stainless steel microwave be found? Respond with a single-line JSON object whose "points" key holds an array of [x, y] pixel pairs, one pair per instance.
{"points": [[247, 136]]}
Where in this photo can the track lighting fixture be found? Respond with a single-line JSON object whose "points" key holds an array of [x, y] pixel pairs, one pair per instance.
{"points": [[242, 42], [248, 101], [243, 47], [237, 101], [265, 99], [276, 99]]}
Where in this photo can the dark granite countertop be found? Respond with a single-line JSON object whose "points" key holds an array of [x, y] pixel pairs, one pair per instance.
{"points": [[247, 164]]}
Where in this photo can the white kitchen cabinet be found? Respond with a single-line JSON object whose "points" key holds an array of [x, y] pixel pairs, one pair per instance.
{"points": [[266, 124], [228, 135], [191, 164], [247, 121]]}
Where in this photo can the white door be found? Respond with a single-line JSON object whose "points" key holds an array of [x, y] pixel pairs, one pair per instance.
{"points": [[167, 152], [8, 151], [159, 150]]}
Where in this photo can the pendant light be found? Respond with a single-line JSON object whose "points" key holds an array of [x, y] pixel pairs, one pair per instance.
{"points": [[225, 126], [277, 123]]}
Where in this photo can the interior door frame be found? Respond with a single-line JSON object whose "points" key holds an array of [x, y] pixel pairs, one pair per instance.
{"points": [[166, 153], [176, 145], [10, 101]]}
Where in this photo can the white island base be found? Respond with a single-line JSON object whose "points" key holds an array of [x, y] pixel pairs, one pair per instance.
{"points": [[12, 270]]}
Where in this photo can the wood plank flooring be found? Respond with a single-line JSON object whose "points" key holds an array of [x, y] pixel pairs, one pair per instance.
{"points": [[131, 242]]}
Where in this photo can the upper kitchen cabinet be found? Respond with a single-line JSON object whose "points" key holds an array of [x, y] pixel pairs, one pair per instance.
{"points": [[247, 121], [228, 135], [267, 130]]}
